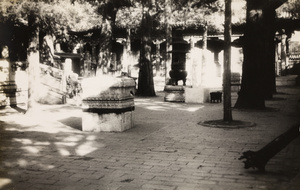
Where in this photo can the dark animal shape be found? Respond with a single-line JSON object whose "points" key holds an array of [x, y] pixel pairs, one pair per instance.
{"points": [[259, 159]]}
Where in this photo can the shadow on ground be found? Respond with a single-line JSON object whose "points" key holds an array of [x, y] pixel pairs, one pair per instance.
{"points": [[74, 122]]}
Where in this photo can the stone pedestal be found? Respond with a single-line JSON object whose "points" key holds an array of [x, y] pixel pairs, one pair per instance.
{"points": [[199, 94], [116, 122], [194, 95], [174, 93], [107, 104]]}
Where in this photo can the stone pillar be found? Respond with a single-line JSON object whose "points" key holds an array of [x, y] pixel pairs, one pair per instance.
{"points": [[87, 64], [195, 93], [8, 83], [283, 52], [107, 103], [67, 70], [278, 58], [204, 53], [218, 65], [157, 56], [125, 56], [93, 66]]}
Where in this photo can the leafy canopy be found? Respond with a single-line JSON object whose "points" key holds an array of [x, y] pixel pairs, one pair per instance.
{"points": [[51, 15]]}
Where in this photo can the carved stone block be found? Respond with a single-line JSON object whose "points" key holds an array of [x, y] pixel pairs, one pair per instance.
{"points": [[107, 103]]}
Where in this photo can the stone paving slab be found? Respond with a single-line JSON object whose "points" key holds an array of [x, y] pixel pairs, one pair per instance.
{"points": [[166, 149]]}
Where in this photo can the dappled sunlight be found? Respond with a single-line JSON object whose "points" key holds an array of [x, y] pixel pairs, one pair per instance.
{"points": [[4, 182], [155, 105], [94, 86], [31, 149], [85, 148], [191, 109], [44, 142], [68, 144], [22, 162], [79, 144], [38, 123], [23, 141], [64, 152], [73, 138]]}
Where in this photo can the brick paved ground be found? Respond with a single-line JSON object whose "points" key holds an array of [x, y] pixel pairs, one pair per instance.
{"points": [[166, 149]]}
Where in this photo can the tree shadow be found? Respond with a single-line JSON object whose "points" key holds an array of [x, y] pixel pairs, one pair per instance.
{"points": [[74, 122], [18, 109], [46, 153]]}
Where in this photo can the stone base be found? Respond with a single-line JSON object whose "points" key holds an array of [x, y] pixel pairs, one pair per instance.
{"points": [[174, 93], [289, 80], [199, 94], [109, 122], [194, 95], [235, 88]]}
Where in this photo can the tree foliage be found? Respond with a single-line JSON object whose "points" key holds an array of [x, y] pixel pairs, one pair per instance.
{"points": [[185, 14], [291, 9], [51, 15]]}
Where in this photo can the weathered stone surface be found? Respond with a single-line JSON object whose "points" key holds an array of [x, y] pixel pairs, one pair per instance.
{"points": [[174, 93], [194, 95], [116, 122], [107, 104]]}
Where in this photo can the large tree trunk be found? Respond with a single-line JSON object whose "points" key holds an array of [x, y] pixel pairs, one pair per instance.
{"points": [[269, 66], [145, 81], [258, 80], [168, 30], [227, 112]]}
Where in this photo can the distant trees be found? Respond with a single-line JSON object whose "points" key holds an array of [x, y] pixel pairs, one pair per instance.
{"points": [[48, 16], [290, 9], [187, 13], [108, 10]]}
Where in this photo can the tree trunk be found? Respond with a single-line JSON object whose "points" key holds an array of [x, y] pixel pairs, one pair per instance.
{"points": [[109, 12], [252, 90], [168, 29], [145, 81], [33, 67], [105, 49], [269, 66], [227, 113]]}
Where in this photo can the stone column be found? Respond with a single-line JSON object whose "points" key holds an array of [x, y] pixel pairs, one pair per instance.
{"points": [[283, 52], [277, 59], [67, 70], [195, 93], [204, 53], [157, 56], [125, 56], [7, 77], [217, 63]]}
